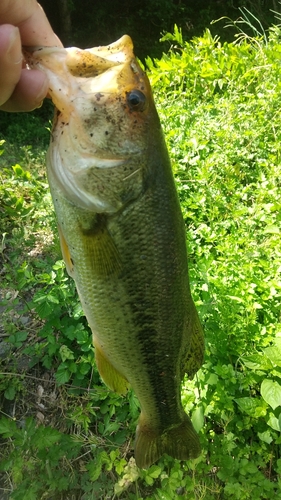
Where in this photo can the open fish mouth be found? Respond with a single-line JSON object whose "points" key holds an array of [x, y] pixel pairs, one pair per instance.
{"points": [[98, 70], [102, 100]]}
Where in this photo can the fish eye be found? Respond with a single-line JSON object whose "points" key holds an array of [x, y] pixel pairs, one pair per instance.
{"points": [[136, 100]]}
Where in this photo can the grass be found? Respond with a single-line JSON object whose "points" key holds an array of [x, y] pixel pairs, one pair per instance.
{"points": [[64, 435]]}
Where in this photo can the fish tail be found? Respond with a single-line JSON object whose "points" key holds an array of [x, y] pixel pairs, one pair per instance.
{"points": [[179, 441]]}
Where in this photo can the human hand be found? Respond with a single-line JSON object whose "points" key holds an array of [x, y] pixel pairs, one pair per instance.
{"points": [[22, 22]]}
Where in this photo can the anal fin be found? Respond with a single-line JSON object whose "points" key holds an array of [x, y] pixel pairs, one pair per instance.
{"points": [[193, 357]]}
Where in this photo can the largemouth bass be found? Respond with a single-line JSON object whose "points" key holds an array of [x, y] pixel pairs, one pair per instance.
{"points": [[122, 236]]}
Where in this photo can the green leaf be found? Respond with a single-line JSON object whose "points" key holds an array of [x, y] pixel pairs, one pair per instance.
{"points": [[82, 337], [94, 470], [18, 338], [212, 379], [95, 466], [253, 407], [233, 297], [59, 264], [119, 466], [66, 353], [271, 392], [10, 392], [154, 471], [257, 362], [84, 368], [43, 309], [273, 354], [63, 374], [198, 418], [265, 437], [46, 437], [272, 229], [273, 422], [7, 427], [149, 480], [52, 298], [18, 170]]}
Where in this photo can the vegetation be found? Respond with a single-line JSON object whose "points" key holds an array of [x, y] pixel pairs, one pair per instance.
{"points": [[64, 435], [143, 20]]}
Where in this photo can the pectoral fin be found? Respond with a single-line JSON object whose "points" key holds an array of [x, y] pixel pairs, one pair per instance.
{"points": [[65, 253], [100, 250], [111, 377]]}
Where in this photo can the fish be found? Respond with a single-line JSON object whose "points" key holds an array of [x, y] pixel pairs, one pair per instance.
{"points": [[123, 236]]}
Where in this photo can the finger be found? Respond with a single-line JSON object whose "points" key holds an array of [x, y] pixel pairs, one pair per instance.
{"points": [[10, 60], [29, 92], [36, 30], [29, 16]]}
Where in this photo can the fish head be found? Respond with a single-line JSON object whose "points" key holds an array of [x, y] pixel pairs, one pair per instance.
{"points": [[105, 115]]}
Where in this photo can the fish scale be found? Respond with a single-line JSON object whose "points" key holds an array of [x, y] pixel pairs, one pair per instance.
{"points": [[123, 236]]}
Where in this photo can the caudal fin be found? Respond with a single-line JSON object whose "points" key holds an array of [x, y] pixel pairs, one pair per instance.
{"points": [[180, 441]]}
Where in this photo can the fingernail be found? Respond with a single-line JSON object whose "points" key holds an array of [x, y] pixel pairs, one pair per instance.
{"points": [[40, 104], [14, 47]]}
